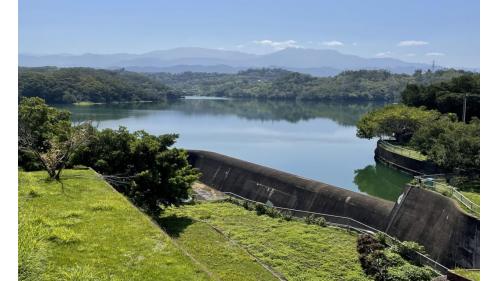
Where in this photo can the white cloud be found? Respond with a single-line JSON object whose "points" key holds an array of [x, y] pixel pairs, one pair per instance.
{"points": [[412, 43], [278, 45], [410, 55], [383, 54], [354, 44], [434, 54], [240, 46], [333, 43]]}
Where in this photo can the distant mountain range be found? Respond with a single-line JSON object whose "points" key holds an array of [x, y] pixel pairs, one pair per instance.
{"points": [[317, 62]]}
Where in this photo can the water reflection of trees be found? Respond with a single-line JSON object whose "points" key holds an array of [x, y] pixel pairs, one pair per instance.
{"points": [[381, 181], [344, 113]]}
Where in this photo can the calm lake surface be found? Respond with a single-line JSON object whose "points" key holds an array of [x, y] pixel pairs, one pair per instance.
{"points": [[316, 140]]}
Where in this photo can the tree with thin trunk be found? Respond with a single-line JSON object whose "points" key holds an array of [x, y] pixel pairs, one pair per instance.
{"points": [[47, 135]]}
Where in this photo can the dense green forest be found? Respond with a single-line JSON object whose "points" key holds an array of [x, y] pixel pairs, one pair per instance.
{"points": [[283, 84], [71, 85], [447, 97]]}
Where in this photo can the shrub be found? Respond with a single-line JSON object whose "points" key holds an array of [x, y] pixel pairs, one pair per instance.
{"points": [[394, 258], [273, 213], [376, 264], [407, 248], [287, 215], [260, 209], [381, 237], [368, 244], [248, 205], [310, 219], [409, 272], [321, 221]]}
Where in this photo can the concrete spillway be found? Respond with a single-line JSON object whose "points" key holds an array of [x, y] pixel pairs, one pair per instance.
{"points": [[450, 236]]}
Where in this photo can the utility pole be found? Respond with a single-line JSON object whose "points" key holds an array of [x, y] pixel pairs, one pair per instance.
{"points": [[433, 65], [465, 107]]}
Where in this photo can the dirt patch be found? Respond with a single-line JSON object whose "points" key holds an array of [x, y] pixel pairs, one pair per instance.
{"points": [[206, 193]]}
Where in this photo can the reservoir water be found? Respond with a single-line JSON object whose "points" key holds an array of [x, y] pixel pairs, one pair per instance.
{"points": [[312, 139]]}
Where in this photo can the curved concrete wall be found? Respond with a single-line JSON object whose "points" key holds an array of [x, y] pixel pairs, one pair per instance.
{"points": [[449, 235], [413, 166], [264, 184]]}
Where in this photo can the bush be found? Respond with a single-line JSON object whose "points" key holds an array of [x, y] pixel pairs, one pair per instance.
{"points": [[368, 244], [273, 213], [407, 248], [376, 264], [389, 264], [310, 219], [287, 215], [260, 209], [248, 205], [381, 237], [393, 258], [409, 272], [321, 221]]}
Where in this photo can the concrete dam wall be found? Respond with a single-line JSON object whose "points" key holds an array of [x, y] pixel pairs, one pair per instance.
{"points": [[412, 166], [264, 184], [450, 236]]}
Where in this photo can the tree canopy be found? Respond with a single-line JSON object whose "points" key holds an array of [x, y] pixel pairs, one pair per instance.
{"points": [[447, 97], [269, 83], [77, 84], [143, 166], [398, 121], [453, 145]]}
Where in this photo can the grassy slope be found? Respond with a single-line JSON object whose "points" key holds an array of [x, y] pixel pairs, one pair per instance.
{"points": [[225, 260], [295, 249], [406, 151], [473, 196], [86, 231], [470, 274]]}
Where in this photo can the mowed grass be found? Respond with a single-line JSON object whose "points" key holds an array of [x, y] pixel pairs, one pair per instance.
{"points": [[224, 259], [405, 151], [469, 274], [297, 250], [84, 230], [472, 196]]}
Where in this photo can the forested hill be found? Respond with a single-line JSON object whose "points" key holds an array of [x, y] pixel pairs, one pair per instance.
{"points": [[70, 85], [283, 84]]}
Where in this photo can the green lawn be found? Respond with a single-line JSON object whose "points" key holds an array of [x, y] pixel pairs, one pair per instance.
{"points": [[297, 250], [405, 151], [472, 196], [85, 230], [470, 274], [224, 259]]}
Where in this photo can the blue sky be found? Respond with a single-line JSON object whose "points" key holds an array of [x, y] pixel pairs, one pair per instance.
{"points": [[413, 30]]}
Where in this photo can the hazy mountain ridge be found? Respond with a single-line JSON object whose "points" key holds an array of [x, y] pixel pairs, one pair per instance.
{"points": [[318, 62]]}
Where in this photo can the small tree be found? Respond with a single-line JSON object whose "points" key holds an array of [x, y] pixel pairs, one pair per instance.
{"points": [[57, 151], [47, 136]]}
